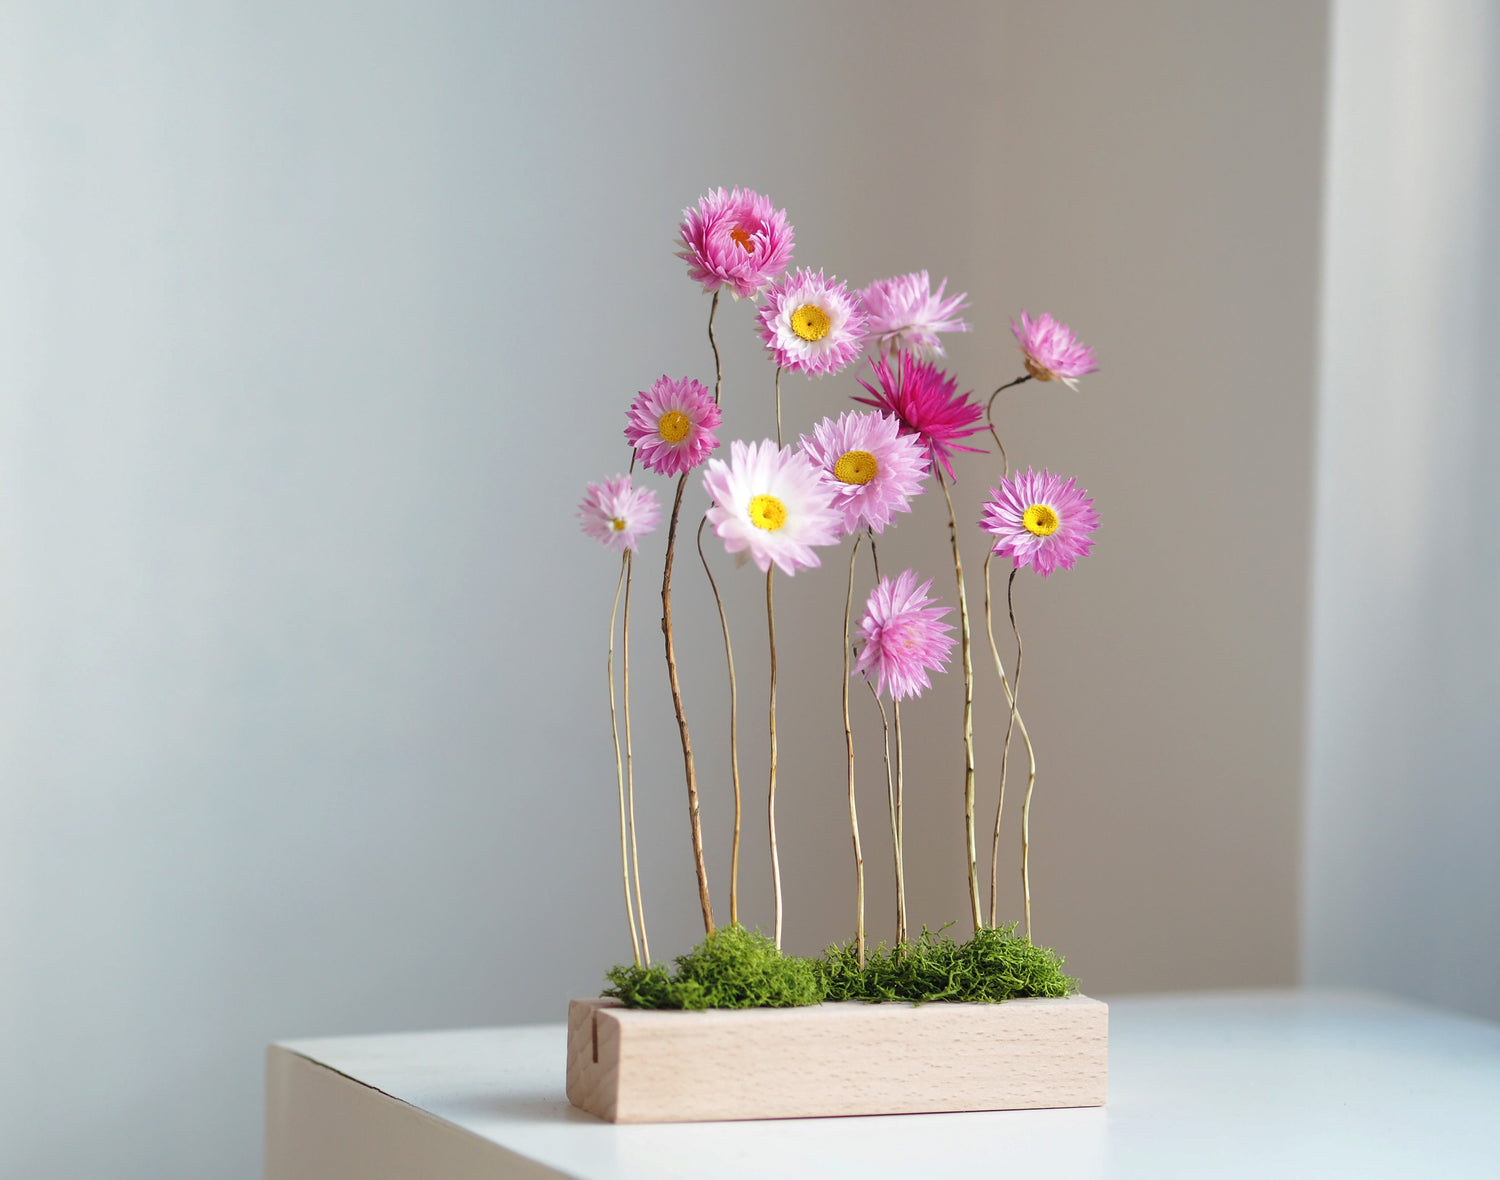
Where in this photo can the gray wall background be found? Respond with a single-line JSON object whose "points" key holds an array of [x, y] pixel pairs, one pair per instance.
{"points": [[315, 321]]}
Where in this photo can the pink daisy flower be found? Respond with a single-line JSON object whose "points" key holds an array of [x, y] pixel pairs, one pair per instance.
{"points": [[926, 402], [1040, 520], [736, 240], [617, 514], [1051, 350], [905, 312], [871, 467], [904, 636], [771, 504], [671, 425], [811, 324]]}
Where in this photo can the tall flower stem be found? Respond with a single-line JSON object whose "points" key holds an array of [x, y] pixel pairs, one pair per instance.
{"points": [[734, 732], [778, 405], [609, 667], [890, 791], [771, 790], [989, 418], [859, 857], [968, 662], [635, 856], [901, 929], [1010, 602], [989, 628], [713, 310]]}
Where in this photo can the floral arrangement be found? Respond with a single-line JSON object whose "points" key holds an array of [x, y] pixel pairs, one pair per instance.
{"points": [[777, 505]]}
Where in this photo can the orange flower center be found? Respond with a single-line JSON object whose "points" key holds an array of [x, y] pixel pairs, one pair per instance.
{"points": [[1040, 520], [767, 512], [856, 467], [744, 239], [673, 426], [811, 322]]}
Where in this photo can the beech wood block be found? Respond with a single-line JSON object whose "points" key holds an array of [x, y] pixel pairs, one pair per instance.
{"points": [[631, 1065]]}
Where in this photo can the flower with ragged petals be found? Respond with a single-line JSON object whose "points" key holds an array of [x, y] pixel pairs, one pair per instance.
{"points": [[618, 514], [904, 636], [671, 425], [736, 240], [1051, 351], [1041, 520], [926, 402], [872, 468], [771, 504], [811, 324], [905, 313]]}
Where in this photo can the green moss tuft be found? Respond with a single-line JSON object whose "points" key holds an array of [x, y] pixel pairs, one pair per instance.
{"points": [[733, 968]]}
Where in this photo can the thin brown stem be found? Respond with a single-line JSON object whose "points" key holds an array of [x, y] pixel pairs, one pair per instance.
{"points": [[989, 418], [771, 790], [901, 930], [1010, 602], [778, 405], [734, 733], [635, 856], [713, 310], [890, 791], [859, 857], [989, 627], [609, 667]]}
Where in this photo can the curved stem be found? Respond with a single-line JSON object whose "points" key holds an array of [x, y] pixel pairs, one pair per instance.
{"points": [[635, 856], [989, 627], [713, 310], [771, 790], [1010, 601], [989, 418], [859, 858], [609, 666], [778, 405], [968, 662], [734, 733]]}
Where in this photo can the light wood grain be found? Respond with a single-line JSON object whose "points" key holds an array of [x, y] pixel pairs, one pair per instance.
{"points": [[632, 1066]]}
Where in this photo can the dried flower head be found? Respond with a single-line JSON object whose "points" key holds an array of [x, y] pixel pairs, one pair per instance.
{"points": [[736, 240], [671, 425], [618, 514], [904, 636], [1051, 351], [872, 468], [1040, 520], [905, 313], [771, 503], [926, 402]]}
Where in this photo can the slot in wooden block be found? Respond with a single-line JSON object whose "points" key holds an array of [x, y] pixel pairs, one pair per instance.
{"points": [[634, 1066]]}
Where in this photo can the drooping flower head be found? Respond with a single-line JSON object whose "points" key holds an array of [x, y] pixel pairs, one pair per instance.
{"points": [[872, 468], [1051, 350], [735, 240], [811, 324], [926, 402], [671, 425], [617, 514], [1041, 520], [905, 637], [906, 313], [771, 503]]}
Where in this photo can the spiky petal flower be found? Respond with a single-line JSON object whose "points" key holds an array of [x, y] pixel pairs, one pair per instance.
{"points": [[904, 635], [1051, 350], [872, 468], [1041, 520], [772, 504], [671, 425], [617, 514], [736, 240], [811, 324], [906, 313], [927, 403]]}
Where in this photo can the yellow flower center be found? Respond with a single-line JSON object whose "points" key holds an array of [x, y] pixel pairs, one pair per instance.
{"points": [[856, 467], [743, 239], [811, 322], [673, 426], [1040, 520], [767, 512], [618, 524]]}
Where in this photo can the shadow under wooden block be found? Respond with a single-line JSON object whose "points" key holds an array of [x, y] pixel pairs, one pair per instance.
{"points": [[633, 1066]]}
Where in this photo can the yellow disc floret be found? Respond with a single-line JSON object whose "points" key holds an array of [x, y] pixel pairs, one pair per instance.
{"points": [[811, 322], [673, 426], [767, 512], [856, 467], [1040, 520], [618, 525]]}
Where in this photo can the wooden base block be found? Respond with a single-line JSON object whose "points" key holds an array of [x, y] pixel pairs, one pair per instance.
{"points": [[633, 1066]]}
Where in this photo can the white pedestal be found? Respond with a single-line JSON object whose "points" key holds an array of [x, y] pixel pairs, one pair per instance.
{"points": [[1232, 1085]]}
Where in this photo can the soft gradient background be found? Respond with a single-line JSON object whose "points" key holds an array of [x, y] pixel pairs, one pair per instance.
{"points": [[315, 319]]}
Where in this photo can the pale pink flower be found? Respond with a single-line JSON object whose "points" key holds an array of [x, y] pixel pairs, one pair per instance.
{"points": [[735, 240], [617, 514], [1041, 520], [772, 504], [811, 324], [905, 312], [671, 425], [926, 402], [1051, 351], [904, 636], [872, 468]]}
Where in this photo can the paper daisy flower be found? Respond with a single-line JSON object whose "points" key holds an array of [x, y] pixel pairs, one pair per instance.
{"points": [[772, 504], [926, 402], [871, 467], [617, 514], [811, 324], [735, 240], [905, 312], [1051, 350], [904, 635], [671, 425], [1040, 520]]}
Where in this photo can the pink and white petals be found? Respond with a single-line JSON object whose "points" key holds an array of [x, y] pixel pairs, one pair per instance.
{"points": [[618, 514], [671, 425], [1052, 352], [737, 240], [905, 313], [771, 505], [872, 468], [811, 324], [904, 636], [1040, 520]]}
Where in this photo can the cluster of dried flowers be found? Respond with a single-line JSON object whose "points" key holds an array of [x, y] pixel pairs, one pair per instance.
{"points": [[778, 505]]}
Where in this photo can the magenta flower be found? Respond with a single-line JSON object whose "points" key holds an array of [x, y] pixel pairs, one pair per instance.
{"points": [[905, 313], [1040, 520], [926, 402], [904, 636], [871, 467], [772, 504], [811, 324], [617, 514], [671, 425], [736, 240], [1051, 350]]}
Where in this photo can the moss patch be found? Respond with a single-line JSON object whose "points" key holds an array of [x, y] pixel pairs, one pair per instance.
{"points": [[733, 968]]}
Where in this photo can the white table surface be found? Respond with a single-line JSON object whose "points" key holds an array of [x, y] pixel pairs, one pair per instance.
{"points": [[1259, 1084]]}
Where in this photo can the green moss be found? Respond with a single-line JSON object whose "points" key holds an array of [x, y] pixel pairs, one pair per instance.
{"points": [[739, 968]]}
